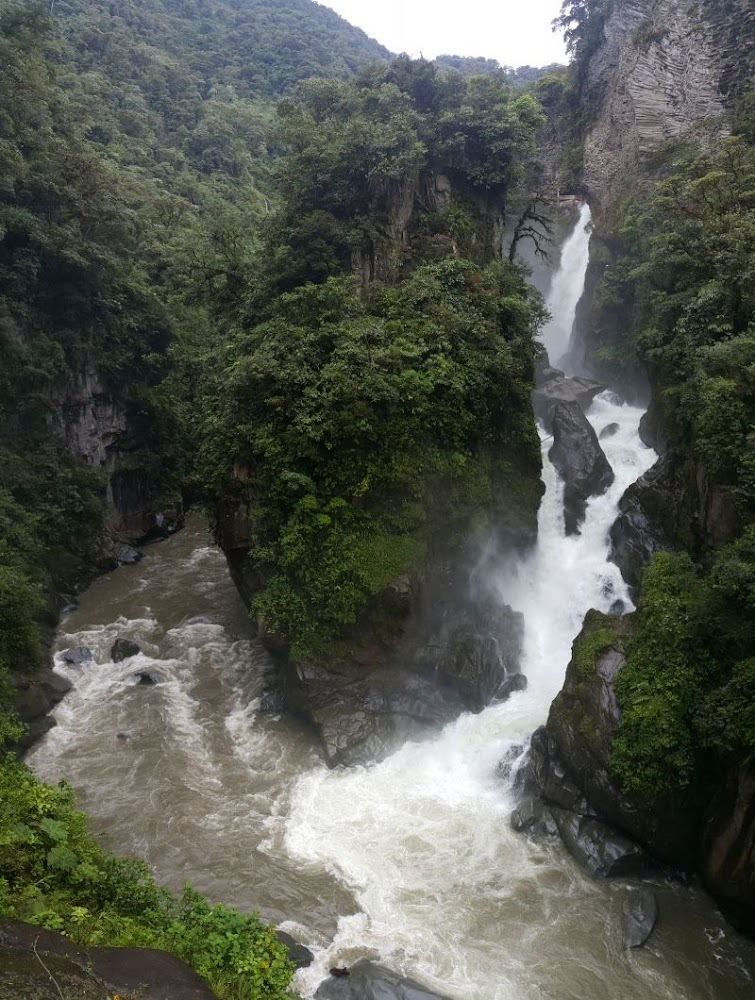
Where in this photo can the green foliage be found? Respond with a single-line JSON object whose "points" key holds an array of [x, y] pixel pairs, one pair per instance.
{"points": [[57, 876], [364, 157], [599, 634], [688, 686], [658, 688], [363, 422]]}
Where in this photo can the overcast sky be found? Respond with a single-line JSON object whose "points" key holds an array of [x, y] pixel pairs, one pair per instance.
{"points": [[515, 32]]}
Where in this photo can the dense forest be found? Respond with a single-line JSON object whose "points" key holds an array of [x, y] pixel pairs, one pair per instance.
{"points": [[274, 254]]}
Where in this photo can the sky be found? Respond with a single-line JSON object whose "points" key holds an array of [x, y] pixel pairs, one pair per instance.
{"points": [[515, 32]]}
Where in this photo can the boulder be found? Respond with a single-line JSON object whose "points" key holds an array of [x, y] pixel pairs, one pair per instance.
{"points": [[579, 460], [122, 649], [77, 655], [126, 555], [609, 431], [367, 981], [533, 816], [301, 957], [600, 848], [554, 387], [640, 912]]}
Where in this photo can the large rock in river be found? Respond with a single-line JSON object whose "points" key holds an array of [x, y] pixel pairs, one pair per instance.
{"points": [[366, 981], [553, 387], [579, 460]]}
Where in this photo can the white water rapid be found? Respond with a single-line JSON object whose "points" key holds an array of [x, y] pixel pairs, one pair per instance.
{"points": [[566, 289], [411, 861]]}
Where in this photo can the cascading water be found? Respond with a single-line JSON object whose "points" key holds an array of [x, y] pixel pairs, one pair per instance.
{"points": [[566, 289], [411, 861]]}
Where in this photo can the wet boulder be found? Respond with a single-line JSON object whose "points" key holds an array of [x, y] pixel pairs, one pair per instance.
{"points": [[122, 649], [367, 981], [609, 431], [553, 387], [600, 848], [579, 460], [77, 655], [640, 915], [126, 555], [301, 957], [533, 816]]}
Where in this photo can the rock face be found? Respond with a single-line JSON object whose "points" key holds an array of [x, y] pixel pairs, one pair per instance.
{"points": [[672, 508], [97, 427], [366, 981], [570, 766], [579, 460], [570, 786], [434, 643], [654, 78]]}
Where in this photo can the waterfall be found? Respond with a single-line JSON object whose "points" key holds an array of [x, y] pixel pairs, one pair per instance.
{"points": [[566, 289], [423, 838]]}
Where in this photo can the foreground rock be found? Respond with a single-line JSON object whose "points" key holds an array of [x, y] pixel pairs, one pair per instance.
{"points": [[640, 909], [579, 460], [366, 981], [89, 974], [122, 649]]}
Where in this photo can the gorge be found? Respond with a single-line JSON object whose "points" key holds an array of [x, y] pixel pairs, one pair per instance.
{"points": [[303, 320]]}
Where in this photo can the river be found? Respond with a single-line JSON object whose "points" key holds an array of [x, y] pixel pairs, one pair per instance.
{"points": [[411, 861]]}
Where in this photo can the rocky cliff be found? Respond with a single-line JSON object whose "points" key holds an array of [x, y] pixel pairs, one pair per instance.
{"points": [[655, 77]]}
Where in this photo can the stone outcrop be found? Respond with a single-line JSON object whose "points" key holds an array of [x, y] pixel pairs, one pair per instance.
{"points": [[672, 508], [579, 460], [35, 696], [553, 387]]}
